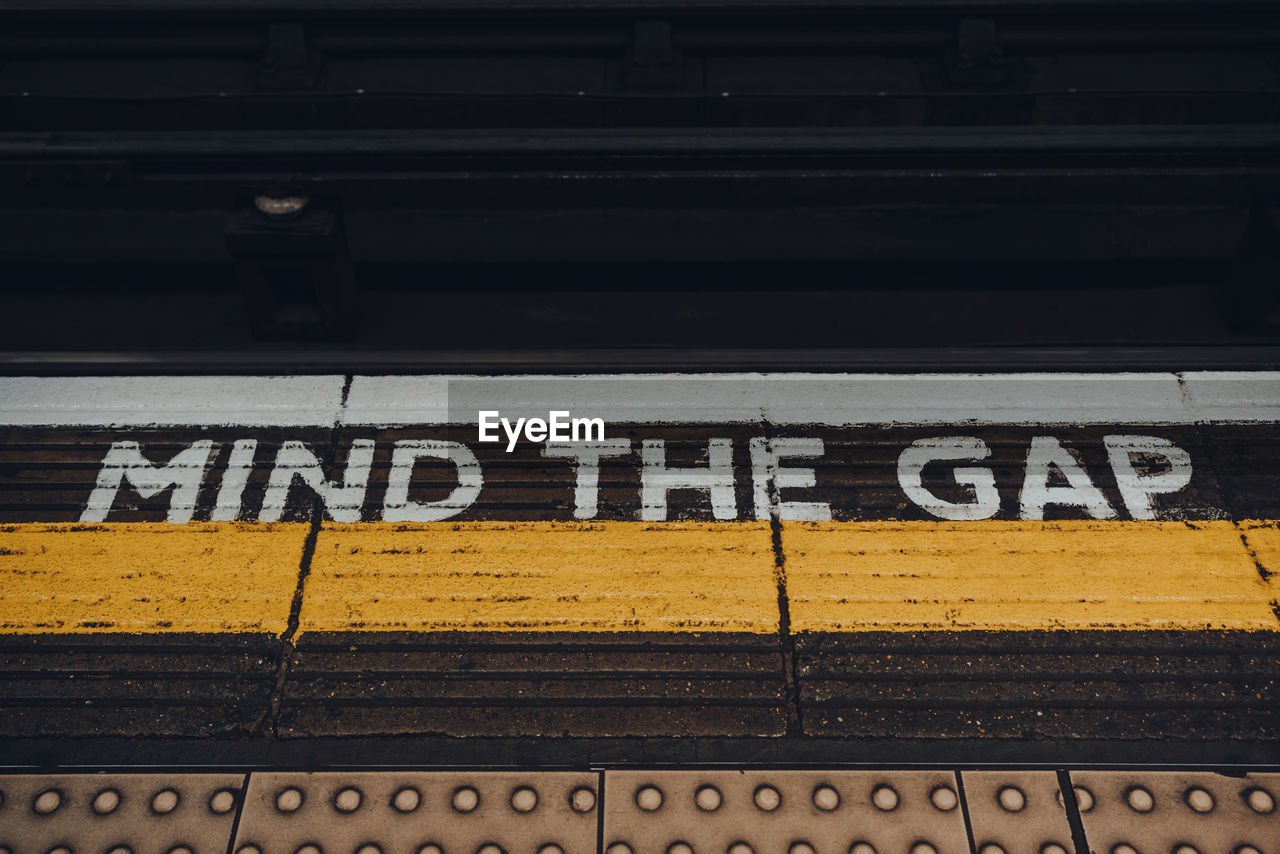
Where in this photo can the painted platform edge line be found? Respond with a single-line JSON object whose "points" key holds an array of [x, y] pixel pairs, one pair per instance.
{"points": [[639, 576]]}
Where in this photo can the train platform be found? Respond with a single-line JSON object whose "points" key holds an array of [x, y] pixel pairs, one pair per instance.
{"points": [[313, 609]]}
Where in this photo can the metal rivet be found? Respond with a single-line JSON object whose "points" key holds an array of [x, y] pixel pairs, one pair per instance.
{"points": [[310, 848], [826, 798], [801, 847], [1052, 848], [347, 800], [923, 848], [282, 206], [47, 801], [944, 798], [466, 799], [368, 848], [707, 798], [862, 848], [1011, 799], [106, 801], [524, 799], [222, 801], [618, 848], [289, 800], [165, 801], [430, 848], [1139, 799], [1185, 849], [767, 798], [1259, 800], [991, 848], [406, 799], [490, 848], [649, 798], [680, 848], [741, 848], [1124, 848], [1199, 800], [550, 848], [582, 800], [885, 798]]}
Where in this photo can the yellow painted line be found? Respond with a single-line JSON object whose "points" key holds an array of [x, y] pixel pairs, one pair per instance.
{"points": [[850, 576], [639, 576], [148, 577], [589, 576]]}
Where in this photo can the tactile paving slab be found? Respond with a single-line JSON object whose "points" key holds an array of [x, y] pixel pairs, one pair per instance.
{"points": [[1180, 813], [419, 813], [783, 812], [118, 813], [1016, 812]]}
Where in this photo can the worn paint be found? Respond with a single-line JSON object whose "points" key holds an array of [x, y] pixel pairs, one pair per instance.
{"points": [[148, 577], [631, 576], [854, 576]]}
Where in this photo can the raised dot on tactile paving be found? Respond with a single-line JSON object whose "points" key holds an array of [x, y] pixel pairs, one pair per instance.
{"points": [[862, 848], [59, 849], [582, 800], [1084, 798], [289, 800], [707, 798], [923, 848], [1259, 800], [885, 798], [490, 848], [1199, 800], [524, 799], [991, 848], [368, 848], [1124, 848], [106, 801], [550, 848], [347, 800], [649, 798], [1139, 799], [767, 798], [309, 849], [120, 849], [248, 849], [801, 847], [430, 848], [1052, 848], [406, 799], [466, 799], [1185, 849], [680, 848], [47, 801], [222, 801], [1011, 799], [740, 848], [165, 801], [1246, 849], [181, 849], [618, 848], [826, 798], [944, 798]]}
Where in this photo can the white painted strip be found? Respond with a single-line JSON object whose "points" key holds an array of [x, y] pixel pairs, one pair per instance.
{"points": [[304, 401], [823, 399], [820, 399]]}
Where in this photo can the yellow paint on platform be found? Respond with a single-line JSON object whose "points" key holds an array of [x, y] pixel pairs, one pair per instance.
{"points": [[850, 576], [148, 577], [590, 576], [639, 576]]}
